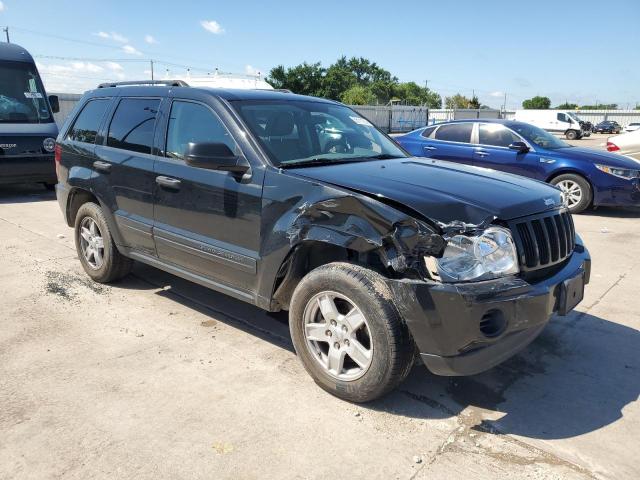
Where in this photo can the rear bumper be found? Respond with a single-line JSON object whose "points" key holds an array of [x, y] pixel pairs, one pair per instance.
{"points": [[445, 319], [26, 169]]}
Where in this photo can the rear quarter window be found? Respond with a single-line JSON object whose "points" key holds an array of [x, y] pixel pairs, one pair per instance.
{"points": [[427, 132], [455, 132], [85, 128]]}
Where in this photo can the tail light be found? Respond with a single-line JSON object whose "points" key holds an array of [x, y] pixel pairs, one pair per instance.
{"points": [[612, 147], [57, 156]]}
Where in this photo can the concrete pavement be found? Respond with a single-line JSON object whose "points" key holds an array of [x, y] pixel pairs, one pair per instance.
{"points": [[154, 377]]}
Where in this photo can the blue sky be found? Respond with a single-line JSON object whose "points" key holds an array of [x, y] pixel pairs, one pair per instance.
{"points": [[579, 51]]}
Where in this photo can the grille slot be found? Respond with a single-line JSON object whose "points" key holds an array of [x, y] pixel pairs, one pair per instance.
{"points": [[544, 240]]}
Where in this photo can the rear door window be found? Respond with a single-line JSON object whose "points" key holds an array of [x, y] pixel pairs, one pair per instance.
{"points": [[133, 124], [455, 132], [85, 128], [496, 135]]}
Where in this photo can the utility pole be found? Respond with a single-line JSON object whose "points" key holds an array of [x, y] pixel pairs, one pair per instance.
{"points": [[151, 62], [504, 105], [6, 31], [426, 84]]}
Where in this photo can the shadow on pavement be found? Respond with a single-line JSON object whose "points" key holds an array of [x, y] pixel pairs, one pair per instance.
{"points": [[576, 377], [25, 193]]}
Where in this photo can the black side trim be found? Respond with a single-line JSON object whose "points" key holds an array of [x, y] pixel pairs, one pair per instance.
{"points": [[206, 251], [193, 277]]}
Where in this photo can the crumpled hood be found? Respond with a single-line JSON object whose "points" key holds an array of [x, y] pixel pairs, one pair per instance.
{"points": [[442, 191], [596, 156]]}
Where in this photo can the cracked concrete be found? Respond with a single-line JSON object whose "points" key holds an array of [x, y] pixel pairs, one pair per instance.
{"points": [[154, 377]]}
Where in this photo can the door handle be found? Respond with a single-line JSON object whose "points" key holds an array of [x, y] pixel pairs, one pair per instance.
{"points": [[481, 153], [104, 167], [429, 147], [168, 182]]}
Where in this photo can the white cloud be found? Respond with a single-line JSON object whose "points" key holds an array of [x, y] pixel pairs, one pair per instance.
{"points": [[212, 26], [150, 39], [496, 94], [116, 67], [115, 36], [75, 77], [251, 70], [2, 7], [86, 67], [131, 50]]}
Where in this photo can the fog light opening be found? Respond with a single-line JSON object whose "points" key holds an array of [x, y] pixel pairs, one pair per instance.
{"points": [[493, 323]]}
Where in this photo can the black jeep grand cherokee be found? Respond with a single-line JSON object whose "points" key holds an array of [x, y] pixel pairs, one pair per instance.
{"points": [[298, 203]]}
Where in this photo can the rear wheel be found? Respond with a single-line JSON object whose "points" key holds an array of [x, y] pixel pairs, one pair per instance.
{"points": [[571, 134], [97, 252], [348, 333], [576, 190]]}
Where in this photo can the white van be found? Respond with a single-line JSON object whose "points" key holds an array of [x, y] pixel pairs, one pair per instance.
{"points": [[555, 121]]}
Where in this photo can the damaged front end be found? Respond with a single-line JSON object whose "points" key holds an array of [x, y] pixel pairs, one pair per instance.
{"points": [[463, 321]]}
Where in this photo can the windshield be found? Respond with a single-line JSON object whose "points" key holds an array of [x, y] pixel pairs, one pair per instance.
{"points": [[22, 98], [298, 132], [574, 116], [538, 137]]}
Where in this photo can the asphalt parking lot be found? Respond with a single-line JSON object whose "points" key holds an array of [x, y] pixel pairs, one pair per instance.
{"points": [[154, 377]]}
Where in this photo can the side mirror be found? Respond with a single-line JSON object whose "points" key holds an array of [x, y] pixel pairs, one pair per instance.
{"points": [[55, 103], [520, 147], [214, 156]]}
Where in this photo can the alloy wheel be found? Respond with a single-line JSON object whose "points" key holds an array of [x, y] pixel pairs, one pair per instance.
{"points": [[338, 335], [572, 192], [91, 243]]}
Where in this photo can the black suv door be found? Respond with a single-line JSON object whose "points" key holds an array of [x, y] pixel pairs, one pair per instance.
{"points": [[207, 221], [124, 167]]}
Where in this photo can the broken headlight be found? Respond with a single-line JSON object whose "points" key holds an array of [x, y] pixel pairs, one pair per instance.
{"points": [[487, 255]]}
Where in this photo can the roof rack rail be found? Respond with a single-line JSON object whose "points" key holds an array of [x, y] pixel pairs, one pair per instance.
{"points": [[167, 83]]}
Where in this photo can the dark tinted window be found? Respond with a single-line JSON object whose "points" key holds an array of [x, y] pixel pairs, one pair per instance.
{"points": [[192, 122], [85, 128], [455, 132], [428, 131], [562, 117], [496, 135], [133, 123]]}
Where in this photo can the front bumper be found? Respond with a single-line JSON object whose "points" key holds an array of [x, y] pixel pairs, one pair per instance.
{"points": [[445, 319], [615, 192], [27, 168]]}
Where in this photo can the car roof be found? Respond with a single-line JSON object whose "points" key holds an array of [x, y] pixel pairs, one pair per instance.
{"points": [[500, 121], [228, 94], [14, 53]]}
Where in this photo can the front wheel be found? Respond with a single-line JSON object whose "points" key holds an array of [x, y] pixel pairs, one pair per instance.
{"points": [[348, 333], [576, 190]]}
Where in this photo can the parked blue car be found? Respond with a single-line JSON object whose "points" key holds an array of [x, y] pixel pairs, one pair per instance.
{"points": [[587, 177]]}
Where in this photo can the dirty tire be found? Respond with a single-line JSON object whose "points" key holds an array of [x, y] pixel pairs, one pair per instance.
{"points": [[115, 265], [571, 134], [392, 345], [585, 188]]}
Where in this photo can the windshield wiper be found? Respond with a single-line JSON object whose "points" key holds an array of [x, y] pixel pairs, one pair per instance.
{"points": [[333, 161]]}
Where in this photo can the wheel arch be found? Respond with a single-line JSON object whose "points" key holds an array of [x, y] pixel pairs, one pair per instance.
{"points": [[78, 196], [310, 254], [574, 171]]}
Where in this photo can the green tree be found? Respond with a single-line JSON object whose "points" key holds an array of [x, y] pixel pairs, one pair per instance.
{"points": [[304, 79], [474, 102], [358, 95], [457, 101], [600, 106], [567, 106], [338, 79], [540, 103], [411, 93]]}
